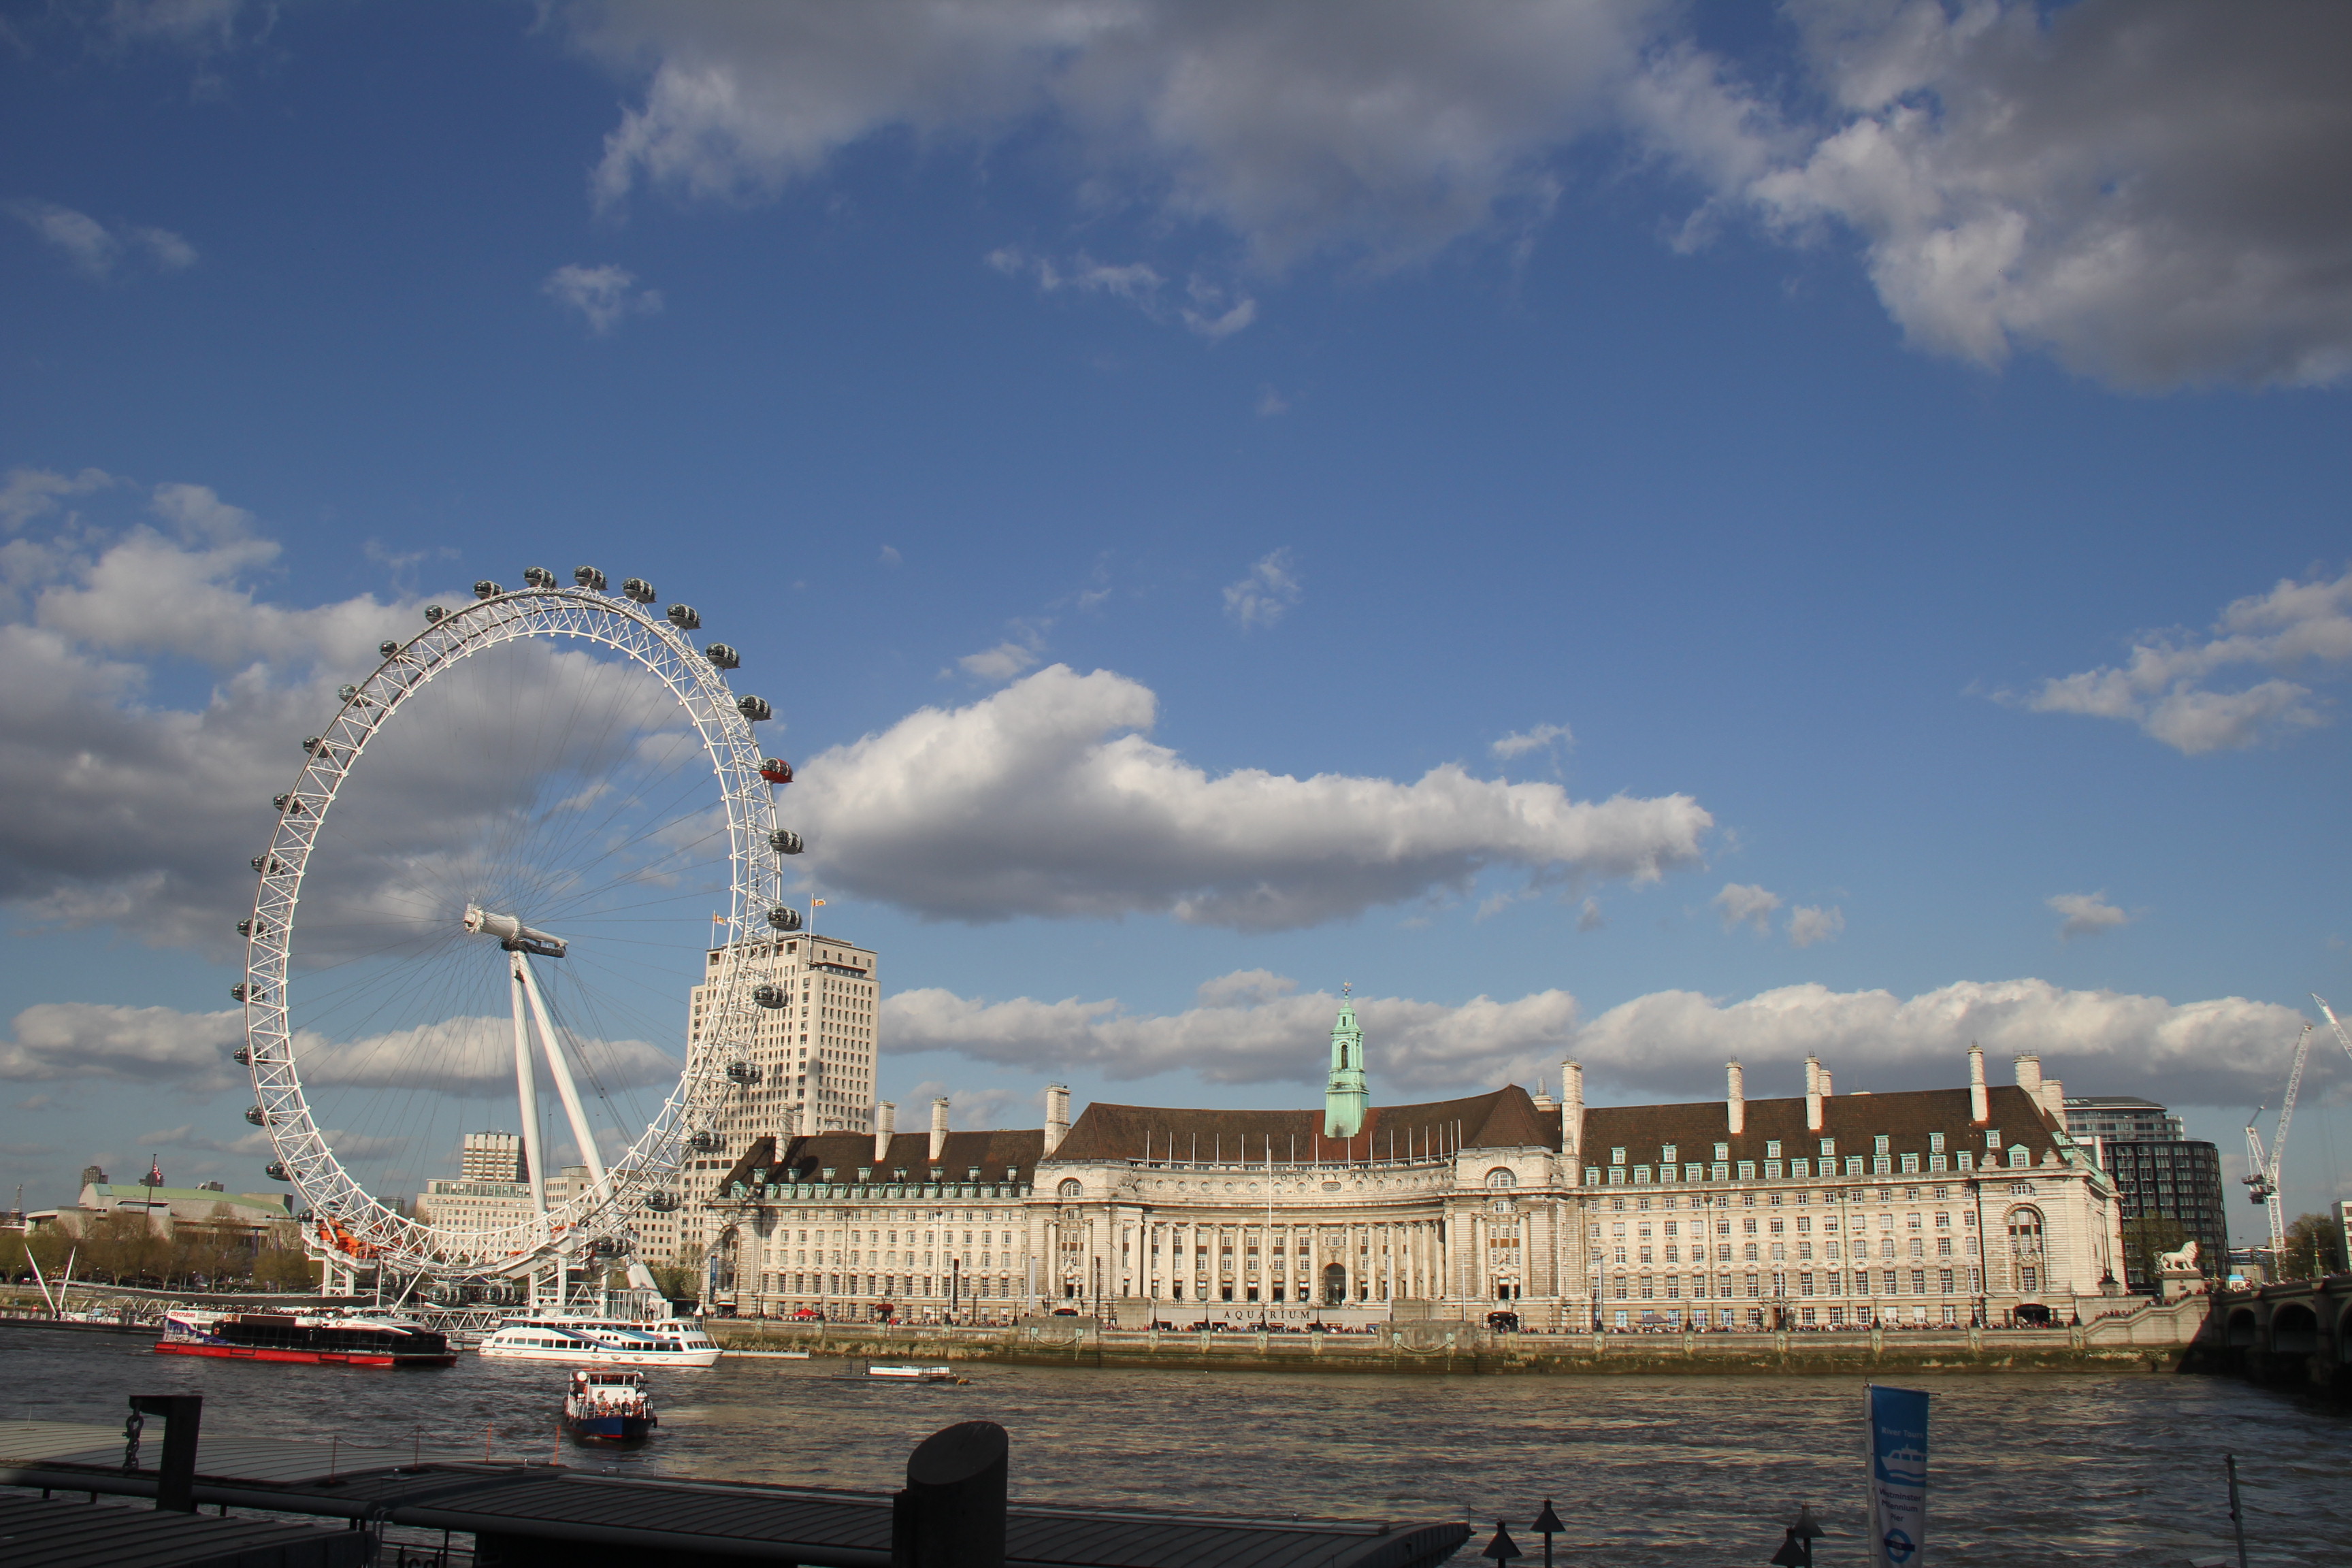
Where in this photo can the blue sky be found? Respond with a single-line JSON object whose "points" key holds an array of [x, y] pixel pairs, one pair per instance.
{"points": [[1075, 411]]}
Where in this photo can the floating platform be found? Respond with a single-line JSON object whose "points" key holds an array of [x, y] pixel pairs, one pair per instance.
{"points": [[527, 1514]]}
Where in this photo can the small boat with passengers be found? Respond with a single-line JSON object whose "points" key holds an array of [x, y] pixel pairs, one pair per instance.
{"points": [[902, 1374], [600, 1341], [608, 1406], [344, 1339]]}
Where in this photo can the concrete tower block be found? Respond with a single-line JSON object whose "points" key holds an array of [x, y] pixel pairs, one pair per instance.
{"points": [[1734, 1097], [886, 1127], [939, 1128], [1979, 1105], [1813, 1075], [1057, 1115]]}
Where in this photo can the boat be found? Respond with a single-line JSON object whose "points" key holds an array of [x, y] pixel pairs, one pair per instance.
{"points": [[600, 1341], [913, 1374], [346, 1339], [608, 1406]]}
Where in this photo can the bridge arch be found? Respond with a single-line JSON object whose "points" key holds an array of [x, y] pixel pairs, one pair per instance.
{"points": [[2295, 1329], [2245, 1333]]}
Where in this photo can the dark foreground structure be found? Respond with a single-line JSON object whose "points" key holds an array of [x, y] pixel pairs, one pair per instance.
{"points": [[2294, 1334], [445, 1510]]}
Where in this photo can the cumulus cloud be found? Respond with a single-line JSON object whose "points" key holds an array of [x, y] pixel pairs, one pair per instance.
{"points": [[1518, 744], [605, 296], [2154, 191], [1266, 594], [1045, 799], [1809, 924], [1669, 1045], [131, 1045], [2150, 190], [2178, 688], [1588, 916], [1748, 904], [101, 250], [28, 493], [2087, 914], [890, 556]]}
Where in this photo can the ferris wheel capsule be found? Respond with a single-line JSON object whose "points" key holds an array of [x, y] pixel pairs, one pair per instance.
{"points": [[775, 770], [257, 1116], [785, 841], [486, 589], [276, 1171], [661, 1203], [538, 578], [387, 649], [684, 619], [722, 656], [769, 996], [783, 917], [433, 614], [639, 590], [589, 577], [755, 709]]}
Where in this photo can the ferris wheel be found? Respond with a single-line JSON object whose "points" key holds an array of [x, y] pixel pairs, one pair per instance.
{"points": [[540, 826]]}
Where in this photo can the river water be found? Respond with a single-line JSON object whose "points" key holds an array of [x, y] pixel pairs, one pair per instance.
{"points": [[2025, 1468]]}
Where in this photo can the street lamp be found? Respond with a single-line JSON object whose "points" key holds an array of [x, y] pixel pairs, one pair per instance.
{"points": [[955, 1287]]}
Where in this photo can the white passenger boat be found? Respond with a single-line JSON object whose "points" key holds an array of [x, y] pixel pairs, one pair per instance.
{"points": [[600, 1341], [912, 1374]]}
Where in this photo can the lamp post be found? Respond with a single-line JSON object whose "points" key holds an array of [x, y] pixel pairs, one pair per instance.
{"points": [[955, 1287]]}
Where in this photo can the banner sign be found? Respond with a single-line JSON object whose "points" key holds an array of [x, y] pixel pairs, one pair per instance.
{"points": [[1899, 1476]]}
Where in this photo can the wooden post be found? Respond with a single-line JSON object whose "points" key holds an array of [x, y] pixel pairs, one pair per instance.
{"points": [[952, 1511]]}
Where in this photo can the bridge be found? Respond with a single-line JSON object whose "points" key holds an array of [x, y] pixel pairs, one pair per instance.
{"points": [[2297, 1333]]}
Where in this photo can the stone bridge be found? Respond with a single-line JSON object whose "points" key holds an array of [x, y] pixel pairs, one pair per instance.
{"points": [[2297, 1333]]}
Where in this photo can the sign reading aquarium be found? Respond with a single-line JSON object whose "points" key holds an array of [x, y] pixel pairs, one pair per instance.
{"points": [[1899, 1476]]}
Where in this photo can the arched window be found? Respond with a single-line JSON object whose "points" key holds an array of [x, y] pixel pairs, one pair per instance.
{"points": [[1072, 1187], [2025, 1230], [1502, 1177]]}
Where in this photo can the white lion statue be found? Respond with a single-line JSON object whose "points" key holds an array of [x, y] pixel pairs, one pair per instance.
{"points": [[2179, 1262]]}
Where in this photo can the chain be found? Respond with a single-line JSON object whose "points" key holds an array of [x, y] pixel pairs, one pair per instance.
{"points": [[132, 1427]]}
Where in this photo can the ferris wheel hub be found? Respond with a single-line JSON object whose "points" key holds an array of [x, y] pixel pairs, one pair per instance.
{"points": [[512, 934]]}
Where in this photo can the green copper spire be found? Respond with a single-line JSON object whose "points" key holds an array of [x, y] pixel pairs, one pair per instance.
{"points": [[1346, 1100]]}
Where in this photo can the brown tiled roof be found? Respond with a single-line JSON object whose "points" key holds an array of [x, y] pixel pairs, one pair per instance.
{"points": [[847, 1153], [1506, 1119], [1853, 1119]]}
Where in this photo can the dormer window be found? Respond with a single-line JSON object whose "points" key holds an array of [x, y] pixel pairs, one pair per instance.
{"points": [[1879, 1144], [1829, 1148], [1723, 1150], [1935, 1143], [1771, 1148], [1616, 1156]]}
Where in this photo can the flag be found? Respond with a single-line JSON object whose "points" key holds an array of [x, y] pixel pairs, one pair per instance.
{"points": [[819, 904], [1899, 1476]]}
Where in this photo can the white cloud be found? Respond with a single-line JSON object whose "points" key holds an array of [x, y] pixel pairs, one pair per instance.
{"points": [[2167, 687], [2087, 914], [1044, 799], [1215, 312], [2134, 185], [98, 249], [1669, 1045], [1002, 662], [1271, 403], [890, 556], [130, 1044], [2147, 189], [1266, 594], [1518, 744], [605, 296], [1809, 924], [1588, 916], [470, 1057], [35, 492], [1743, 903]]}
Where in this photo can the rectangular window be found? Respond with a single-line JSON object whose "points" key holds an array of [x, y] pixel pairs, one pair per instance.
{"points": [[1616, 1156], [1772, 1171], [1746, 1170], [1879, 1164], [1935, 1143], [1801, 1169], [1640, 1175], [1910, 1164], [1616, 1176], [1668, 1154], [1935, 1164], [1967, 1162], [1879, 1144], [1853, 1164], [1719, 1171], [1592, 1175], [1723, 1150], [2017, 1156], [1771, 1148]]}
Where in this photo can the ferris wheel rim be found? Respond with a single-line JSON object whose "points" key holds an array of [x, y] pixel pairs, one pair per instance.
{"points": [[348, 1217]]}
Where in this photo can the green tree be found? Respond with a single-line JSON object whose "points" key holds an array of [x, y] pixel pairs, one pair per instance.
{"points": [[2314, 1247], [680, 1279]]}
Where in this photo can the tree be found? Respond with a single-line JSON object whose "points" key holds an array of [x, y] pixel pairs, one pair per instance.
{"points": [[2314, 1247], [680, 1279], [2148, 1235], [123, 1245]]}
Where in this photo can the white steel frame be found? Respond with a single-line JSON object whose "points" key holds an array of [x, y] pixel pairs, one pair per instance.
{"points": [[351, 1226]]}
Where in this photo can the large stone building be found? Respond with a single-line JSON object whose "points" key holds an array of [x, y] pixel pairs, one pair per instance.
{"points": [[1818, 1210], [814, 1059]]}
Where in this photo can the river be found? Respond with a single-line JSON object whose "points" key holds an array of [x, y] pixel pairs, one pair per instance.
{"points": [[2025, 1468]]}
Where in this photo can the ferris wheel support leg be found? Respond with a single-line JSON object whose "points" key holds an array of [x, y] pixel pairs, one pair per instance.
{"points": [[527, 1090], [563, 1084]]}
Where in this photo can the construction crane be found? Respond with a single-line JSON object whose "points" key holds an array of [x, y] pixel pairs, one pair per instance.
{"points": [[2263, 1167]]}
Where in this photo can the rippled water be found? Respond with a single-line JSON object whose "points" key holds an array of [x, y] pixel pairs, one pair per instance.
{"points": [[2025, 1468]]}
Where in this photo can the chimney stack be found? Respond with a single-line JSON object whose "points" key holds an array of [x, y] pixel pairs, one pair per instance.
{"points": [[939, 1128], [1813, 1075], [1057, 1116], [2053, 1099], [2029, 1075], [1824, 1075], [886, 1127], [1572, 1112], [1979, 1105], [1735, 1098]]}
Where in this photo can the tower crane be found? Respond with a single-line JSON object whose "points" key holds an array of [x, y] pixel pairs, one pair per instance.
{"points": [[2263, 1167]]}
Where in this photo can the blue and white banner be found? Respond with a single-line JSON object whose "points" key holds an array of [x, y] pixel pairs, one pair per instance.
{"points": [[1899, 1476]]}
